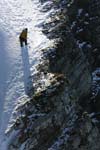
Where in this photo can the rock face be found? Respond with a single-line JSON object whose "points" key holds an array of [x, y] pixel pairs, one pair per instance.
{"points": [[82, 139], [85, 19], [52, 119]]}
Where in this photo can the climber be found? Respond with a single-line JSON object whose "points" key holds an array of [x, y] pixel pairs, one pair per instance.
{"points": [[23, 37]]}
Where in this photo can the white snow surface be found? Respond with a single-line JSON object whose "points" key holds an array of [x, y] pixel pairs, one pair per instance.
{"points": [[17, 64]]}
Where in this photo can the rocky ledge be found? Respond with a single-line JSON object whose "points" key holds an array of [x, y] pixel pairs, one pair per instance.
{"points": [[52, 118]]}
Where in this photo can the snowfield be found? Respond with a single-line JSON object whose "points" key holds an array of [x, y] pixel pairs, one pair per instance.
{"points": [[17, 64]]}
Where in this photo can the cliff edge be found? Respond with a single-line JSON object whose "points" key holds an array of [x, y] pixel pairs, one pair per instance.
{"points": [[52, 117]]}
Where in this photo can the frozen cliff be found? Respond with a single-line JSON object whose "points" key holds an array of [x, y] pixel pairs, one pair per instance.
{"points": [[53, 116]]}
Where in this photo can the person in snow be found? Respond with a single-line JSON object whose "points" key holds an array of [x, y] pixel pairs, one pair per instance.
{"points": [[23, 37]]}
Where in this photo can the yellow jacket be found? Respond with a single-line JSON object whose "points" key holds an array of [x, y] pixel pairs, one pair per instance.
{"points": [[23, 34]]}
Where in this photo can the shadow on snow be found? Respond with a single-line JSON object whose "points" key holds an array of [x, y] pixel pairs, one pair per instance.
{"points": [[4, 69], [26, 70]]}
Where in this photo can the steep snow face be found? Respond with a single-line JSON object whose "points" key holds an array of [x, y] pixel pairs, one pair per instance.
{"points": [[17, 64]]}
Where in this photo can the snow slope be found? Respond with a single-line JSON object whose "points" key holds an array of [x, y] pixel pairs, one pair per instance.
{"points": [[17, 64]]}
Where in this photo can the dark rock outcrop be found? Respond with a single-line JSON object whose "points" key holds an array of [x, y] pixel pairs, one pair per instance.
{"points": [[52, 119]]}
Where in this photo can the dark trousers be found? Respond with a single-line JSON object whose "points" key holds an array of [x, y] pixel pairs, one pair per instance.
{"points": [[22, 41]]}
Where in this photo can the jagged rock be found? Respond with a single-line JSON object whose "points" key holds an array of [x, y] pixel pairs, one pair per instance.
{"points": [[51, 119]]}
